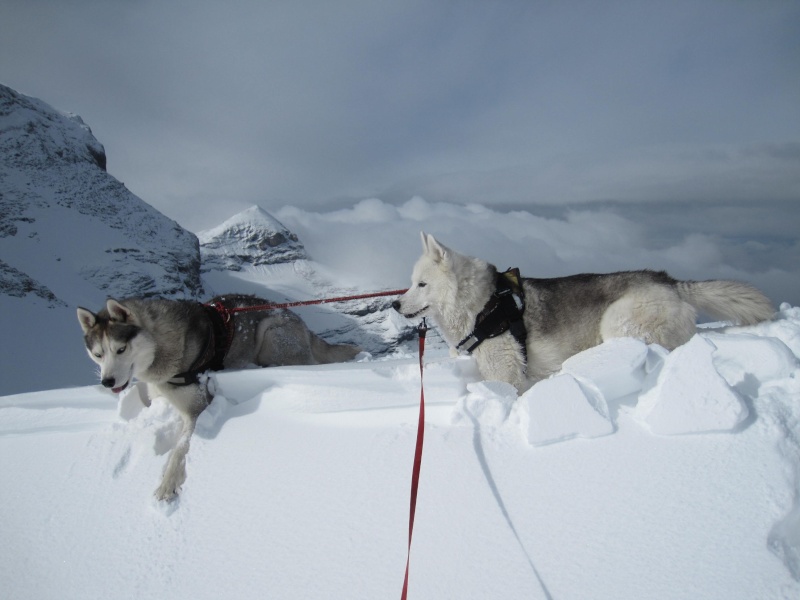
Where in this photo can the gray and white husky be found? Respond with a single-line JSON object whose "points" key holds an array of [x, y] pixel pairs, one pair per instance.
{"points": [[168, 344], [559, 317]]}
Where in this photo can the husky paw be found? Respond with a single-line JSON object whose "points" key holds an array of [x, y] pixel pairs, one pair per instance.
{"points": [[174, 476], [167, 491], [164, 495]]}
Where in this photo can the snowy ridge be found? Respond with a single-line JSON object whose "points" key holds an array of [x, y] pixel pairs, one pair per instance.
{"points": [[35, 135], [252, 237], [16, 283], [690, 491], [65, 222]]}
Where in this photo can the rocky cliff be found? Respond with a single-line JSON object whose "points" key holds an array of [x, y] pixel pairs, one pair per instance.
{"points": [[68, 226]]}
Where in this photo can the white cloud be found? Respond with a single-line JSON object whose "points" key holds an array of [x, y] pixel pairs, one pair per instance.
{"points": [[382, 253]]}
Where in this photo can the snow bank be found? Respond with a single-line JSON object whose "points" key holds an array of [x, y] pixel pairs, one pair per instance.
{"points": [[706, 385], [561, 408], [689, 395]]}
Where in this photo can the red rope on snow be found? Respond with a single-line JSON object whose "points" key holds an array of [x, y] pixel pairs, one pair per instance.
{"points": [[423, 329]]}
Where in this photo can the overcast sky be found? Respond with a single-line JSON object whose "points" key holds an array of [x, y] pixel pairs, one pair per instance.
{"points": [[206, 108], [638, 134]]}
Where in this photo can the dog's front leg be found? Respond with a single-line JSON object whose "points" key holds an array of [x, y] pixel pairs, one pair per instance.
{"points": [[190, 402], [175, 469], [501, 359]]}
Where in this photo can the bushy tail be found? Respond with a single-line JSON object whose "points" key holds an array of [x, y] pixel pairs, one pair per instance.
{"points": [[728, 300], [325, 353]]}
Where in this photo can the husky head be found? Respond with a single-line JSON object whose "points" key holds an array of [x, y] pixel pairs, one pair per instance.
{"points": [[113, 340], [434, 281]]}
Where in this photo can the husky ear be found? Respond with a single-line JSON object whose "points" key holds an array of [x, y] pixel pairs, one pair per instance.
{"points": [[117, 312], [424, 237], [436, 251], [86, 318]]}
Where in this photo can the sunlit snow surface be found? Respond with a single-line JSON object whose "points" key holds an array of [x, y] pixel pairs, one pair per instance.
{"points": [[634, 473]]}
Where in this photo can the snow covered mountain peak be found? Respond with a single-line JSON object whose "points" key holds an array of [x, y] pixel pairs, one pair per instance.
{"points": [[70, 232], [250, 238], [33, 133]]}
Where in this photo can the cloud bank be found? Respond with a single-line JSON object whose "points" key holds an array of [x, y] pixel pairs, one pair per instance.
{"points": [[376, 243]]}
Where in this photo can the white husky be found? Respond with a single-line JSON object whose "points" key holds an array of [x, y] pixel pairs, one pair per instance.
{"points": [[521, 330], [168, 344]]}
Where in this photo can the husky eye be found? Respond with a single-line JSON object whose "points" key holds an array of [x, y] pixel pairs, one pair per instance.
{"points": [[421, 284], [97, 355], [121, 350]]}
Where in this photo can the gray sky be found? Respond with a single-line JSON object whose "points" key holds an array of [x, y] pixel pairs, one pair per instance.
{"points": [[206, 108]]}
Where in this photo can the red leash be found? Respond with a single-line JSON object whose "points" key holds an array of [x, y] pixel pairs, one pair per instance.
{"points": [[423, 329], [238, 309]]}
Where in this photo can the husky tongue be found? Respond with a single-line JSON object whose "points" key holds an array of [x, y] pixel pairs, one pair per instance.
{"points": [[117, 390]]}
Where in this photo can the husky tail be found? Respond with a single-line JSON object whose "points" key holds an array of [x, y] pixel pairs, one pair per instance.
{"points": [[729, 300], [325, 353]]}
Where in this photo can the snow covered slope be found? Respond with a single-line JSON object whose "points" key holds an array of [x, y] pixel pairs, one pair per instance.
{"points": [[298, 481], [370, 323], [254, 253], [70, 226]]}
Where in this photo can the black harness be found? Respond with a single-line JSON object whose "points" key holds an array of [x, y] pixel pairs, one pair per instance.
{"points": [[218, 342], [503, 312]]}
